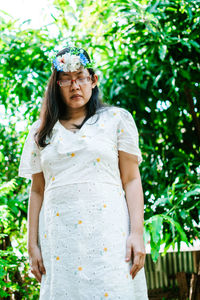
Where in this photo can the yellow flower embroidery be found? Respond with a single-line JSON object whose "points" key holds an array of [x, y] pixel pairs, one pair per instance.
{"points": [[57, 214], [106, 294], [57, 258], [79, 222], [83, 136], [104, 205], [114, 114], [122, 130], [98, 159], [53, 178], [45, 235], [105, 249], [80, 268], [72, 154]]}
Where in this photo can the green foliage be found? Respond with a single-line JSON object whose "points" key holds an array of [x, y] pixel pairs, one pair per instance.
{"points": [[15, 277], [178, 220], [25, 68], [6, 188]]}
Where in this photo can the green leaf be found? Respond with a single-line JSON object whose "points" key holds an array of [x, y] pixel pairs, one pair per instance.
{"points": [[155, 251], [195, 45], [156, 225], [162, 51], [185, 74], [178, 227], [1, 156]]}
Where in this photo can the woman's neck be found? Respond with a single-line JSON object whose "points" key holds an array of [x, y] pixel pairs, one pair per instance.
{"points": [[75, 114]]}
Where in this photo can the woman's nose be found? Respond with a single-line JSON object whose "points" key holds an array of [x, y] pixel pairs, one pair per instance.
{"points": [[74, 84]]}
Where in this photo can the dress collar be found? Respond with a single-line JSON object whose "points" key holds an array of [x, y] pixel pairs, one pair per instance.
{"points": [[65, 141]]}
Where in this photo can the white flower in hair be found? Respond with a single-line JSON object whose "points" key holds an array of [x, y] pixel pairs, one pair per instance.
{"points": [[62, 60], [74, 63]]}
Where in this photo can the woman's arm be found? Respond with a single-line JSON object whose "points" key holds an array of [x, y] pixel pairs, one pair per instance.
{"points": [[131, 181], [35, 203]]}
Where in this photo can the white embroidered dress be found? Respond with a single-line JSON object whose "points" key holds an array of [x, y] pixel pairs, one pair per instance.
{"points": [[84, 220]]}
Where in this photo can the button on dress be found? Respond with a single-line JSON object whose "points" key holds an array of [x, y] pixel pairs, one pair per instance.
{"points": [[84, 220]]}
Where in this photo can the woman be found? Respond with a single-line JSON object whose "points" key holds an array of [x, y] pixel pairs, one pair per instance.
{"points": [[85, 216]]}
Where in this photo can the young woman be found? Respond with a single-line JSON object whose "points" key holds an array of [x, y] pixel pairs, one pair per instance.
{"points": [[85, 215]]}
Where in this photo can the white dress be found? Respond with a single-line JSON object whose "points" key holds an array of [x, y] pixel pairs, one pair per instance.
{"points": [[84, 220]]}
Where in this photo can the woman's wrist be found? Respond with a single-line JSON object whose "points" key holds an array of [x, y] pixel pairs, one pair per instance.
{"points": [[32, 245]]}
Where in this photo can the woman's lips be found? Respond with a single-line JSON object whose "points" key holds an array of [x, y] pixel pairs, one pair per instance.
{"points": [[76, 96]]}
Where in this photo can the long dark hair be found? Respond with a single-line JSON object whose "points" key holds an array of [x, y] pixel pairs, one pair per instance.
{"points": [[53, 108]]}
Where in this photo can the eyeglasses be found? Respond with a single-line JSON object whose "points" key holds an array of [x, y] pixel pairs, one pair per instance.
{"points": [[79, 81]]}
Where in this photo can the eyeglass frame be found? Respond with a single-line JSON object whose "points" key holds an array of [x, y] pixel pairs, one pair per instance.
{"points": [[58, 81]]}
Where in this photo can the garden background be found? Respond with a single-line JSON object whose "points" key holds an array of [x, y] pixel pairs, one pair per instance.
{"points": [[147, 59]]}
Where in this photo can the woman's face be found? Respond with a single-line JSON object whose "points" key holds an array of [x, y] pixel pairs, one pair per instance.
{"points": [[77, 95]]}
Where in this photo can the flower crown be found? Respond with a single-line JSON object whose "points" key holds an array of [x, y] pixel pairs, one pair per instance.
{"points": [[71, 61]]}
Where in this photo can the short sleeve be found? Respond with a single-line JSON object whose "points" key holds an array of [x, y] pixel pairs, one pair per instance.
{"points": [[128, 137], [30, 158]]}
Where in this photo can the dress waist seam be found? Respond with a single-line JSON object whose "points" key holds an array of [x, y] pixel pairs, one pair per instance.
{"points": [[83, 182]]}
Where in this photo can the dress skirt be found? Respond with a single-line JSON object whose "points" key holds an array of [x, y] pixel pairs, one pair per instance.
{"points": [[83, 229]]}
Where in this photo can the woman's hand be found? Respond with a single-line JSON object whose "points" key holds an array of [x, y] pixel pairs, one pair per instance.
{"points": [[36, 262], [135, 242]]}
